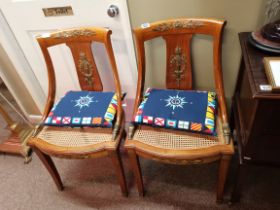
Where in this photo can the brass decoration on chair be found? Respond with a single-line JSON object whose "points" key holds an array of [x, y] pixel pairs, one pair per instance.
{"points": [[178, 61], [178, 25], [86, 68], [131, 130], [74, 33]]}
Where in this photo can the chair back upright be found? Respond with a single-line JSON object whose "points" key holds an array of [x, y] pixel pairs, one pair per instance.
{"points": [[178, 34], [79, 41]]}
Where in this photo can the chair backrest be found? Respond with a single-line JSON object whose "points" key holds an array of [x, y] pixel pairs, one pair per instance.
{"points": [[79, 40], [178, 34]]}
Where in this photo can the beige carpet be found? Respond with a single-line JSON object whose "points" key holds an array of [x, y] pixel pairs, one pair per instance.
{"points": [[91, 184]]}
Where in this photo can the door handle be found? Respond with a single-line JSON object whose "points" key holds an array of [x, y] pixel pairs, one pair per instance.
{"points": [[113, 10]]}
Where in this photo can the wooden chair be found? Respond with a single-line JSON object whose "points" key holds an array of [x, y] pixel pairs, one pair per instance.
{"points": [[180, 147], [81, 142]]}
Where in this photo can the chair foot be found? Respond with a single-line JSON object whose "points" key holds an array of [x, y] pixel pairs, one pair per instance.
{"points": [[219, 201], [117, 162], [49, 164], [141, 194], [230, 203], [223, 170], [135, 164]]}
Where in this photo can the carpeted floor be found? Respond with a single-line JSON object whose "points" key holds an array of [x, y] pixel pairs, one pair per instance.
{"points": [[91, 184]]}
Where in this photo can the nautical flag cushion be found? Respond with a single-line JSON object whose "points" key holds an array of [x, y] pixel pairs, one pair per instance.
{"points": [[178, 109], [84, 108]]}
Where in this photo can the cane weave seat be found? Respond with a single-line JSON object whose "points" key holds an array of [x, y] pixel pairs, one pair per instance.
{"points": [[151, 139], [68, 133], [167, 139], [73, 138]]}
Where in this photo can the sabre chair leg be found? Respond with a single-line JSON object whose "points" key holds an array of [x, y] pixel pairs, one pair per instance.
{"points": [[223, 170], [49, 164], [135, 164], [117, 162]]}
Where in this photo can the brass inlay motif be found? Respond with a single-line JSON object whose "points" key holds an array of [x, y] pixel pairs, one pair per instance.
{"points": [[189, 24], [86, 68], [74, 33], [178, 63]]}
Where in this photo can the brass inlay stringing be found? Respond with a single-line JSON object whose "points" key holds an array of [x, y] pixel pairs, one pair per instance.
{"points": [[189, 24], [86, 68], [178, 62], [74, 33]]}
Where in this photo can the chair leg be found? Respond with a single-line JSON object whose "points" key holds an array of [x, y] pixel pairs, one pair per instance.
{"points": [[49, 164], [135, 164], [117, 162], [223, 170]]}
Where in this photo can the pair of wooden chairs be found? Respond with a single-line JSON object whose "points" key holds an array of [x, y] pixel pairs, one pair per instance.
{"points": [[160, 144]]}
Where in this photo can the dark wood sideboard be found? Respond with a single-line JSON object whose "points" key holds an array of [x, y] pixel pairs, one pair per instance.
{"points": [[255, 114]]}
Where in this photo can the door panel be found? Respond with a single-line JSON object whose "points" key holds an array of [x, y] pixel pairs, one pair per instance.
{"points": [[26, 19]]}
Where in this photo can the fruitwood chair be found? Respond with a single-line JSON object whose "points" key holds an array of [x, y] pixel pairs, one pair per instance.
{"points": [[79, 139], [177, 146]]}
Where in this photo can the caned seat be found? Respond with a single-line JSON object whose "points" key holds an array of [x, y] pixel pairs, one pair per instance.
{"points": [[83, 138], [162, 138], [177, 146]]}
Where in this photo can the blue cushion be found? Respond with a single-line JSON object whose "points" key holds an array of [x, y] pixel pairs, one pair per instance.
{"points": [[84, 108], [177, 109]]}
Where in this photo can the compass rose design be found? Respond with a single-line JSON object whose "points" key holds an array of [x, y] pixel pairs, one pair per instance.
{"points": [[84, 101], [175, 101]]}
